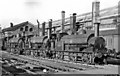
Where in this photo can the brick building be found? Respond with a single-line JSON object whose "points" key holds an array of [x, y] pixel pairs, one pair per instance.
{"points": [[14, 33], [25, 28]]}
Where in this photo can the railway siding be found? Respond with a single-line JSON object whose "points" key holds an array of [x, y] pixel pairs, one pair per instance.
{"points": [[64, 66], [61, 65]]}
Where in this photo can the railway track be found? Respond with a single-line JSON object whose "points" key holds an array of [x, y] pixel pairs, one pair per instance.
{"points": [[53, 64], [4, 72], [48, 64], [64, 67], [72, 65]]}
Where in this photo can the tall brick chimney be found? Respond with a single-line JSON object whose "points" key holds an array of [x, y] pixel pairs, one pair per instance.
{"points": [[63, 20], [43, 29], [95, 16], [73, 23], [49, 28]]}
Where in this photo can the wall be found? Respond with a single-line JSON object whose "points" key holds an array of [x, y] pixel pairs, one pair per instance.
{"points": [[118, 43], [112, 41], [17, 32]]}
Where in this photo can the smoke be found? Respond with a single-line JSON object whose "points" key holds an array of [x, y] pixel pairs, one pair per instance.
{"points": [[32, 3]]}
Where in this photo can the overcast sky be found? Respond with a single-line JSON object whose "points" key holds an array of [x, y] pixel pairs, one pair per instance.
{"points": [[18, 11]]}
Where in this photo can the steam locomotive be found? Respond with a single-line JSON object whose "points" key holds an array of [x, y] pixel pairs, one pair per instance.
{"points": [[79, 46], [83, 47]]}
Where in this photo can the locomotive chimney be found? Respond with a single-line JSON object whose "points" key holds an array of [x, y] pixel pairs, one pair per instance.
{"points": [[95, 16], [11, 24], [43, 29], [38, 28], [49, 28], [73, 23], [63, 20]]}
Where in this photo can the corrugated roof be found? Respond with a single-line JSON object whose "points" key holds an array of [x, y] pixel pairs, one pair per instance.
{"points": [[110, 32], [104, 13]]}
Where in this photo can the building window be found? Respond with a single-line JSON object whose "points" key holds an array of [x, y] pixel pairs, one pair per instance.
{"points": [[26, 28], [21, 29], [31, 29]]}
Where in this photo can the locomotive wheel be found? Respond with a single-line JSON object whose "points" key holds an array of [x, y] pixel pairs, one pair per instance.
{"points": [[59, 55], [72, 58], [85, 58]]}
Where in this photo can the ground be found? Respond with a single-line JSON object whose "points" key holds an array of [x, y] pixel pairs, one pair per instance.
{"points": [[94, 69]]}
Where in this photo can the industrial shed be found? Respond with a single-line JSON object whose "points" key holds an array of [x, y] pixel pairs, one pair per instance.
{"points": [[112, 38]]}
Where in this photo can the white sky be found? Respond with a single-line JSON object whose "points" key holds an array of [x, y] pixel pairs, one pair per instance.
{"points": [[18, 11]]}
